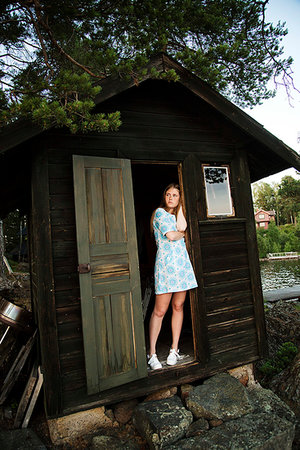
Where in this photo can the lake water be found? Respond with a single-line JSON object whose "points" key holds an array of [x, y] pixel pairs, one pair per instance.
{"points": [[280, 273]]}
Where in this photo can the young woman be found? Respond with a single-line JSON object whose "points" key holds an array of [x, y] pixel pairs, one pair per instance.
{"points": [[173, 272]]}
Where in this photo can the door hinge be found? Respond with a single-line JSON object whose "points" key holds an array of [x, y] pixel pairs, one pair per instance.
{"points": [[84, 268]]}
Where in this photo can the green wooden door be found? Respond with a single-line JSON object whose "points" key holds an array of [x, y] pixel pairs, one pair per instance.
{"points": [[111, 308]]}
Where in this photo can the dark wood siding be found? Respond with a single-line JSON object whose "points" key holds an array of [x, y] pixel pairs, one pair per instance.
{"points": [[227, 287], [160, 123]]}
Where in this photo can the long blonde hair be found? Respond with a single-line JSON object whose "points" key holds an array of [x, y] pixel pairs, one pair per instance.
{"points": [[163, 202]]}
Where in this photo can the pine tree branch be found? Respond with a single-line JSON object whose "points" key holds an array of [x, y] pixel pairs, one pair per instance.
{"points": [[46, 27]]}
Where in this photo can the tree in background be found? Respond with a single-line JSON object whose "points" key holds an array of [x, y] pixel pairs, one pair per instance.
{"points": [[53, 53], [266, 197], [283, 198], [284, 238], [289, 194]]}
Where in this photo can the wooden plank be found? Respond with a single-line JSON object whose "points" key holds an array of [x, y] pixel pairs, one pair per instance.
{"points": [[16, 368], [70, 330], [233, 342], [286, 293], [226, 288], [224, 329], [221, 263], [220, 248], [246, 209], [221, 276], [26, 395], [46, 312], [229, 300], [82, 232], [190, 174], [34, 397], [232, 315]]}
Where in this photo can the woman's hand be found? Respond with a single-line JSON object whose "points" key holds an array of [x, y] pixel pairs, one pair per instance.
{"points": [[181, 222]]}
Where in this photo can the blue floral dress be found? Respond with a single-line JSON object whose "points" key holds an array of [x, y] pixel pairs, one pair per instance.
{"points": [[173, 271]]}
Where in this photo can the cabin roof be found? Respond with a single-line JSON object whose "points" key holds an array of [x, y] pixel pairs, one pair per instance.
{"points": [[286, 157]]}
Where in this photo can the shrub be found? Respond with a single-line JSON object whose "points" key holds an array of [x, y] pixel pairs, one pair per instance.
{"points": [[284, 356]]}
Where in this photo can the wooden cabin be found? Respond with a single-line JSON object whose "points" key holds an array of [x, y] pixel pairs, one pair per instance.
{"points": [[89, 200], [264, 218]]}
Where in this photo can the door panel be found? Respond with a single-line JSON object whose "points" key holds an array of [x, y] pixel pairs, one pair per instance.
{"points": [[110, 292]]}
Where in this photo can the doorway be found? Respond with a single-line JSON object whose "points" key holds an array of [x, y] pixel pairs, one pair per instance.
{"points": [[149, 181]]}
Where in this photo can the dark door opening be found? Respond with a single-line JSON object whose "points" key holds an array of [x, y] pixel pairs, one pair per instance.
{"points": [[149, 182]]}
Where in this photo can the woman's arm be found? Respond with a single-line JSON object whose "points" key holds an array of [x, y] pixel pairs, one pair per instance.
{"points": [[175, 235]]}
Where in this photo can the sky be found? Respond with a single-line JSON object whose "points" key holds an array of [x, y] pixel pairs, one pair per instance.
{"points": [[278, 115]]}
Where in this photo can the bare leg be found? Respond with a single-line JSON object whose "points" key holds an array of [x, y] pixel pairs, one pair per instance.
{"points": [[177, 317], [162, 302]]}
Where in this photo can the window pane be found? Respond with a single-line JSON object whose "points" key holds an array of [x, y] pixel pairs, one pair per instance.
{"points": [[217, 190], [261, 216]]}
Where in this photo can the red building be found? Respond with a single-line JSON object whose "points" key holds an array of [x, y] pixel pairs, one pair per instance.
{"points": [[263, 218]]}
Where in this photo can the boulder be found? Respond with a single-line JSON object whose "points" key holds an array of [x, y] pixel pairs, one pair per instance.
{"points": [[198, 427], [112, 443], [283, 325], [20, 440], [162, 393], [260, 431], [123, 411], [220, 397], [185, 390], [287, 385], [162, 422], [264, 400], [67, 428]]}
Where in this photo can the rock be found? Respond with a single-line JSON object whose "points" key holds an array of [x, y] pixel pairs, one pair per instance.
{"points": [[260, 431], [197, 428], [220, 397], [123, 411], [245, 374], [161, 394], [215, 423], [20, 440], [162, 422], [185, 390], [283, 325], [264, 400], [110, 414], [112, 443], [287, 385], [66, 428]]}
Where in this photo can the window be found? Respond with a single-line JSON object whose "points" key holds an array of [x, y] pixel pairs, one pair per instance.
{"points": [[217, 190], [262, 224], [261, 216]]}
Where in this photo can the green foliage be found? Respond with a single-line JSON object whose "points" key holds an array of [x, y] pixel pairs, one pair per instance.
{"points": [[281, 360], [283, 198], [46, 48], [277, 239]]}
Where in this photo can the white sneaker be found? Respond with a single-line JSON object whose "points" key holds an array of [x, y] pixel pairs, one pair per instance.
{"points": [[173, 357], [154, 362]]}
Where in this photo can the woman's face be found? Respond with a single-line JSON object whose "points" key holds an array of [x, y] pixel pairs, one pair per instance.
{"points": [[172, 197]]}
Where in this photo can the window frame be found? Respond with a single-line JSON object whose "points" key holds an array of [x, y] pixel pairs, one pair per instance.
{"points": [[224, 214]]}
